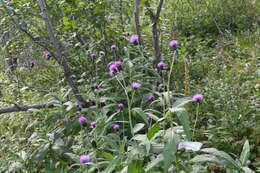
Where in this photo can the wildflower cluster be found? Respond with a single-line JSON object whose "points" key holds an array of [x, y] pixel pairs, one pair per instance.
{"points": [[115, 67]]}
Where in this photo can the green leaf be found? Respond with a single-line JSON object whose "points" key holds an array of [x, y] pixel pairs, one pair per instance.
{"points": [[230, 162], [106, 155], [135, 167], [169, 153], [112, 165], [138, 127], [72, 156], [141, 113], [143, 141], [153, 163], [153, 130], [207, 158], [42, 153], [245, 153], [185, 122], [181, 102], [247, 170]]}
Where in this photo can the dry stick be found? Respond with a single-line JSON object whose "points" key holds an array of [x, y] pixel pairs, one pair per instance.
{"points": [[25, 108], [155, 20], [137, 21], [58, 47]]}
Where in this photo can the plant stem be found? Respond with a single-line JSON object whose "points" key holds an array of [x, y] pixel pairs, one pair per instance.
{"points": [[196, 119], [128, 105], [170, 73]]}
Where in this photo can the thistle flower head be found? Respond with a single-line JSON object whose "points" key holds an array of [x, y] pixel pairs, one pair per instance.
{"points": [[159, 156], [120, 105], [96, 85], [82, 120], [116, 127], [47, 55], [174, 43], [136, 85], [151, 97], [161, 64], [84, 159], [197, 97], [113, 47], [134, 39], [101, 53], [118, 64], [93, 124], [93, 55]]}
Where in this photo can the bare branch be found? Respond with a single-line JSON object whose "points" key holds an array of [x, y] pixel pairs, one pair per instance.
{"points": [[25, 108], [58, 47]]}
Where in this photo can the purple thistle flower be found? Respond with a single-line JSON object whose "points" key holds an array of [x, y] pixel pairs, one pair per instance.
{"points": [[101, 53], [118, 64], [151, 97], [112, 73], [136, 85], [120, 105], [93, 124], [116, 127], [84, 159], [134, 39], [159, 156], [93, 55], [31, 63], [174, 43], [82, 120], [47, 55], [96, 85], [113, 47], [161, 64], [197, 97], [113, 67]]}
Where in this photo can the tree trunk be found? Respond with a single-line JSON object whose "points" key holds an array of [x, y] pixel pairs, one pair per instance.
{"points": [[137, 21], [58, 48]]}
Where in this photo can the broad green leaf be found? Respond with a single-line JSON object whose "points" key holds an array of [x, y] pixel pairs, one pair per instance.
{"points": [[141, 113], [181, 102], [185, 122], [188, 145], [247, 170], [135, 166], [245, 153], [207, 158], [143, 141], [230, 162], [153, 130], [106, 155], [169, 153], [138, 127]]}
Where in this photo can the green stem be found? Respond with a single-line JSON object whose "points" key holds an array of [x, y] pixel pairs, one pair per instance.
{"points": [[128, 105], [170, 73], [196, 119]]}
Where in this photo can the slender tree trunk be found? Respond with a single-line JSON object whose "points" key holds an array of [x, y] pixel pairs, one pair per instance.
{"points": [[11, 61], [121, 15], [137, 21], [155, 32], [58, 48]]}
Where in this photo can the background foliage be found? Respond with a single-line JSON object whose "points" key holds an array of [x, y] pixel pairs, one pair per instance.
{"points": [[218, 56]]}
